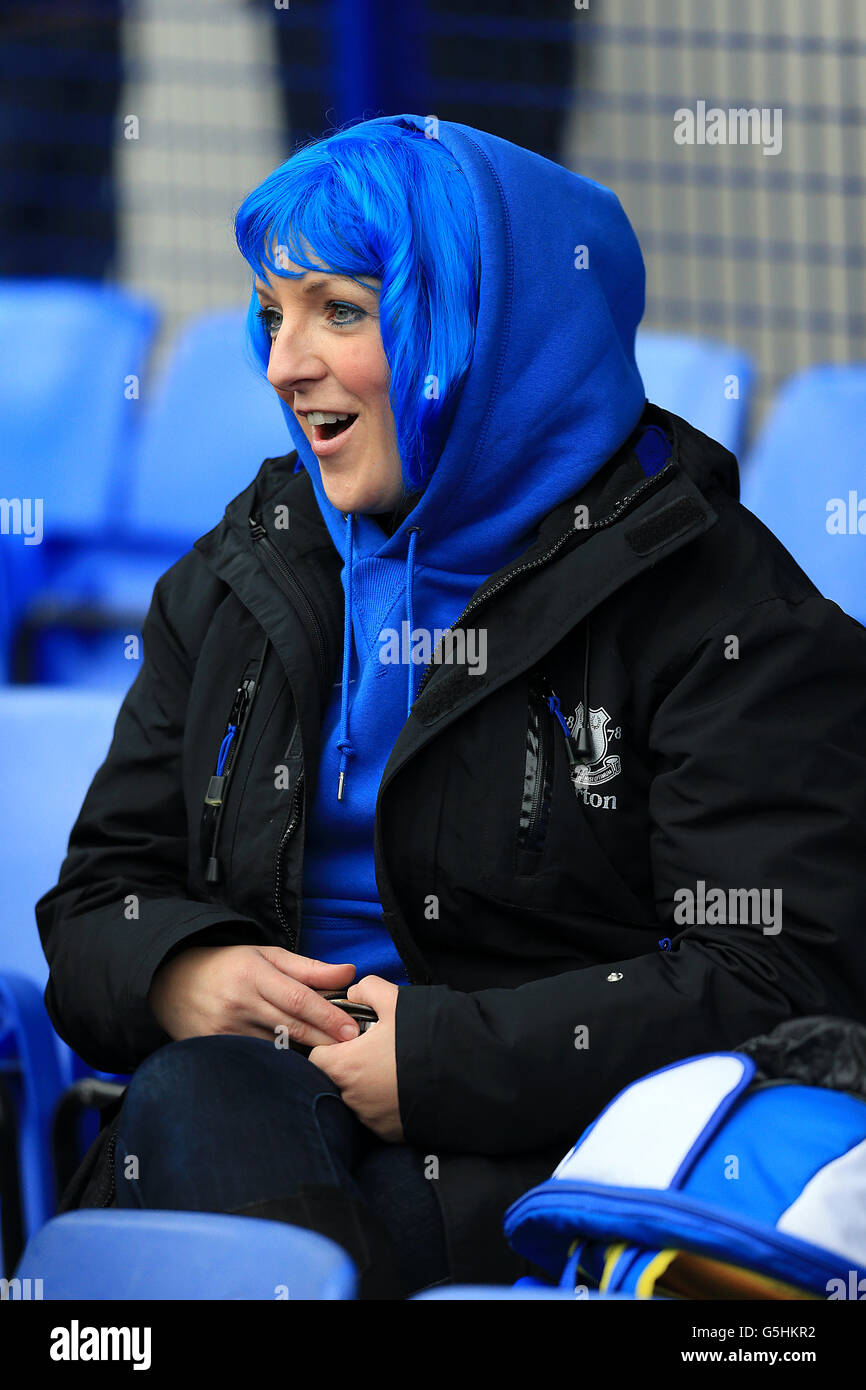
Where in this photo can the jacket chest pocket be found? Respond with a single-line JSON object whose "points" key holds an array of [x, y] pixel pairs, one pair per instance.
{"points": [[225, 760], [548, 741]]}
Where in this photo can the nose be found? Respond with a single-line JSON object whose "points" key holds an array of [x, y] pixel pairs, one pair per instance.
{"points": [[292, 360]]}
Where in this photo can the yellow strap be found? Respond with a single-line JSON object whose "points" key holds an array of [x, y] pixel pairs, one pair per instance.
{"points": [[647, 1279], [695, 1276], [646, 1284], [612, 1254]]}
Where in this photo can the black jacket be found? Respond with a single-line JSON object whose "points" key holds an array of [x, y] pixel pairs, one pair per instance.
{"points": [[532, 902]]}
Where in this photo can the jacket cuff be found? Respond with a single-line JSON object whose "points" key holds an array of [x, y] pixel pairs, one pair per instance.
{"points": [[127, 1032], [462, 1087], [146, 1033]]}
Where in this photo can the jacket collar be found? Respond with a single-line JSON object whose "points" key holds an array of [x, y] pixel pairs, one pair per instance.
{"points": [[633, 522]]}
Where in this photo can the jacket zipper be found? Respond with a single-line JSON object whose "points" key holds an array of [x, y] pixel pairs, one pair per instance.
{"points": [[288, 830], [284, 576], [530, 833], [217, 791], [109, 1156], [600, 525]]}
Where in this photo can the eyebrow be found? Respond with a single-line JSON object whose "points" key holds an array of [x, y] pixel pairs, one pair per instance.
{"points": [[312, 286]]}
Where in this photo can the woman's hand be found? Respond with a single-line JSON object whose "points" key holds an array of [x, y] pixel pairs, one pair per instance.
{"points": [[251, 990], [366, 1070]]}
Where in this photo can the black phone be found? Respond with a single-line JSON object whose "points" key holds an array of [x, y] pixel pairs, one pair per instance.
{"points": [[363, 1014]]}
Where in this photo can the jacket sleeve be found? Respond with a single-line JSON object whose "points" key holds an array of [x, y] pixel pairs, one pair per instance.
{"points": [[759, 782], [121, 904]]}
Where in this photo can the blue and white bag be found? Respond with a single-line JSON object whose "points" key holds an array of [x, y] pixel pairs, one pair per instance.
{"points": [[710, 1179]]}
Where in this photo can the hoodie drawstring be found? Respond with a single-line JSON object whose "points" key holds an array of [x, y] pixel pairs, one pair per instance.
{"points": [[579, 747], [344, 743], [410, 587]]}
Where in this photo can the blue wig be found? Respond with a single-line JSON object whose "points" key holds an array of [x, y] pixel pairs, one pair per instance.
{"points": [[382, 200]]}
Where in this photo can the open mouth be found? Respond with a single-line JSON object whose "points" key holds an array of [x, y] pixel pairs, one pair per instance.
{"points": [[331, 430]]}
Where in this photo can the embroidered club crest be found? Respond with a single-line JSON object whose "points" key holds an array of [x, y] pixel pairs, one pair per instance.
{"points": [[602, 765]]}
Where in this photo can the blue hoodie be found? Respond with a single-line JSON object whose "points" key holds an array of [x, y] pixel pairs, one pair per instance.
{"points": [[551, 394]]}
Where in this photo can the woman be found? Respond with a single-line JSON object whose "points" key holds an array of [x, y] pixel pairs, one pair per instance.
{"points": [[488, 700]]}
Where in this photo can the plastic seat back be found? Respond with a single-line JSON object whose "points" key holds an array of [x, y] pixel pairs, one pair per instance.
{"points": [[805, 478], [69, 351], [208, 423], [705, 382], [119, 1254], [212, 423], [52, 743]]}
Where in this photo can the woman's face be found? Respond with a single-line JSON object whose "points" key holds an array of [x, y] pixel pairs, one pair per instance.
{"points": [[327, 356]]}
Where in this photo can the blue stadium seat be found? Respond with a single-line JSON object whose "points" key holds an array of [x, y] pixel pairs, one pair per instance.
{"points": [[695, 378], [78, 646], [31, 1082], [6, 619], [806, 472], [120, 1254], [214, 420], [74, 352], [206, 428], [53, 741]]}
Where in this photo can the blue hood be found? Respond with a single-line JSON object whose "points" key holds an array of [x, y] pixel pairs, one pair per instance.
{"points": [[551, 394]]}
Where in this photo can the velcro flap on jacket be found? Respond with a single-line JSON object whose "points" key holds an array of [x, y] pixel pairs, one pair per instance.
{"points": [[665, 525]]}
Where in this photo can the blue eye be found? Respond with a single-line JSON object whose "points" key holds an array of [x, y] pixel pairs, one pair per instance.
{"points": [[344, 323], [267, 317]]}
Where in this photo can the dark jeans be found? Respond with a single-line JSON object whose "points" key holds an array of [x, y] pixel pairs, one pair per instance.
{"points": [[218, 1123]]}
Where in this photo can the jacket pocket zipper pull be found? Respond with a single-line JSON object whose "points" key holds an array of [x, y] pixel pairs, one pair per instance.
{"points": [[215, 791], [217, 784], [575, 753]]}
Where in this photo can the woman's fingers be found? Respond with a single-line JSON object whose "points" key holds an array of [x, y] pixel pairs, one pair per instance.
{"points": [[308, 1017], [318, 974]]}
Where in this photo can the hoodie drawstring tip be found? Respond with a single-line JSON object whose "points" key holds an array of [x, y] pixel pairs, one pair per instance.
{"points": [[347, 751]]}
